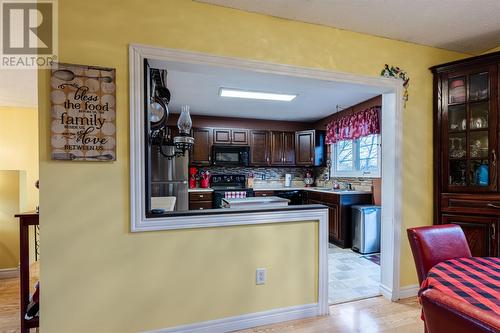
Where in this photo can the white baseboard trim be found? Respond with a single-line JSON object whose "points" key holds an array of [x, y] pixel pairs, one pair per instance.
{"points": [[245, 321], [385, 291], [9, 273], [409, 291]]}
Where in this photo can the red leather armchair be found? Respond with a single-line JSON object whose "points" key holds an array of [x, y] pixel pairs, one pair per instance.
{"points": [[445, 314], [432, 245]]}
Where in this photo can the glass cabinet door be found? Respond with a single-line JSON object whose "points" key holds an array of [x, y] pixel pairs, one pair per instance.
{"points": [[469, 132]]}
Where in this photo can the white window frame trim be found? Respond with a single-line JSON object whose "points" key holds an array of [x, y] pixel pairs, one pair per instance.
{"points": [[392, 150], [356, 173]]}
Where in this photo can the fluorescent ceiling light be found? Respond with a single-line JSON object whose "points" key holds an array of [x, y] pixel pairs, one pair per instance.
{"points": [[225, 92]]}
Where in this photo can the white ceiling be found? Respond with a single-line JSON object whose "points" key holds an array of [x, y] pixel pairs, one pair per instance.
{"points": [[198, 86], [469, 26], [18, 88]]}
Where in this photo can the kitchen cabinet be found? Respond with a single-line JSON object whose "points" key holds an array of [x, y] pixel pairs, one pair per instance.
{"points": [[263, 193], [259, 148], [239, 137], [481, 233], [310, 148], [267, 148], [222, 136], [200, 200], [339, 213], [466, 131], [334, 230], [282, 148], [230, 136], [202, 149]]}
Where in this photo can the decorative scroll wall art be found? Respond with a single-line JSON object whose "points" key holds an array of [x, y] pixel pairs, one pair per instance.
{"points": [[397, 73], [83, 113]]}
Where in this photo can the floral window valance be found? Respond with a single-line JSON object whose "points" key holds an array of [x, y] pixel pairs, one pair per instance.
{"points": [[354, 126]]}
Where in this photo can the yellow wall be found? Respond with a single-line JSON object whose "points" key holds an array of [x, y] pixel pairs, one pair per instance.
{"points": [[121, 282], [19, 148], [18, 151], [495, 49], [9, 228]]}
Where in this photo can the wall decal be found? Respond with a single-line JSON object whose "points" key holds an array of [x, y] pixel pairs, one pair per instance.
{"points": [[83, 103], [397, 73]]}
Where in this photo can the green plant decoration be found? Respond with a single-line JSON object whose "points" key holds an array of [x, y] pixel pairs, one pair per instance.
{"points": [[397, 73]]}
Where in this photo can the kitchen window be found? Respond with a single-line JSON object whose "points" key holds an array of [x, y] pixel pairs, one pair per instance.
{"points": [[357, 158]]}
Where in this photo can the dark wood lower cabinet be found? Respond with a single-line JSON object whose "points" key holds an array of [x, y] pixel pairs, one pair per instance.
{"points": [[200, 200], [481, 233], [339, 213], [334, 230], [263, 193]]}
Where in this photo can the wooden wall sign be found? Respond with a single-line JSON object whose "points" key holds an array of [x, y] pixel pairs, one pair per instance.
{"points": [[83, 102]]}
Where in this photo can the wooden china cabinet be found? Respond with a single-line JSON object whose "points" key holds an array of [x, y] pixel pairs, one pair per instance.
{"points": [[466, 146]]}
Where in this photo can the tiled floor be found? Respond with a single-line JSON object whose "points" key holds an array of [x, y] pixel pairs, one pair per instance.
{"points": [[351, 277]]}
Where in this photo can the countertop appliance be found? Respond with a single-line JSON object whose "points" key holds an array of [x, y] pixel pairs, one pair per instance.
{"points": [[365, 228], [294, 196], [254, 202], [288, 180], [169, 182], [230, 155], [229, 186]]}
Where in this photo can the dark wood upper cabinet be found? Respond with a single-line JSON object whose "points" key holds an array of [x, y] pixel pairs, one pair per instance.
{"points": [[289, 148], [239, 137], [283, 148], [259, 148], [230, 136], [310, 148], [222, 136], [276, 148], [466, 145], [202, 148], [267, 148]]}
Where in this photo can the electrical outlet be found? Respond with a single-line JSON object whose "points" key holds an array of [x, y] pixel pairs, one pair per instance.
{"points": [[260, 276]]}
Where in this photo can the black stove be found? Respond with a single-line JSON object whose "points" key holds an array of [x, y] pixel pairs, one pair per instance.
{"points": [[229, 186]]}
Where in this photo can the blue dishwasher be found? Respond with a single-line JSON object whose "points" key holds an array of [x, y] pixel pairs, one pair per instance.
{"points": [[365, 228]]}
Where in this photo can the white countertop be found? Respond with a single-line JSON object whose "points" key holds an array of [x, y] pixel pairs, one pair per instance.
{"points": [[255, 200], [312, 189], [199, 189], [293, 188]]}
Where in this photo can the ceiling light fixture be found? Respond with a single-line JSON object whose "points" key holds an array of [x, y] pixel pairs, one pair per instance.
{"points": [[225, 92]]}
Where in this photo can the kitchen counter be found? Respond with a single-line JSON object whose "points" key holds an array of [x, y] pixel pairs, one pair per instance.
{"points": [[199, 189], [293, 188], [255, 202], [312, 189]]}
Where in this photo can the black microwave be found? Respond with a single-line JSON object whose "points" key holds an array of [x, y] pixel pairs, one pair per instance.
{"points": [[230, 155]]}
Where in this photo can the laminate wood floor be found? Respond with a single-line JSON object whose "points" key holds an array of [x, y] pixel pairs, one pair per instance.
{"points": [[9, 301], [372, 315]]}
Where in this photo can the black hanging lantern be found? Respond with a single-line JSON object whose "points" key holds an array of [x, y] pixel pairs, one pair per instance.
{"points": [[158, 116]]}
